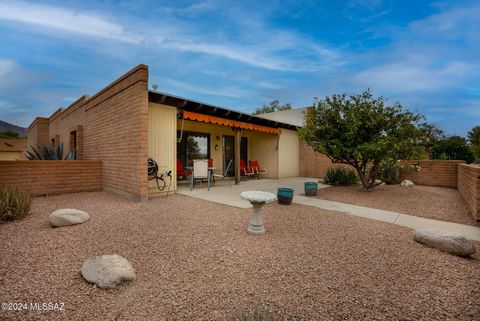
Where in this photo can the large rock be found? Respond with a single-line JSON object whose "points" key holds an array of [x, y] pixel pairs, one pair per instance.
{"points": [[445, 241], [67, 216], [108, 271], [407, 183]]}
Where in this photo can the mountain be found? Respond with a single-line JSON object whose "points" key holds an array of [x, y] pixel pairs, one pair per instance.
{"points": [[4, 126]]}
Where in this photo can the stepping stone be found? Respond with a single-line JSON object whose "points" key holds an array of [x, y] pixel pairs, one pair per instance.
{"points": [[445, 241], [67, 216], [108, 271]]}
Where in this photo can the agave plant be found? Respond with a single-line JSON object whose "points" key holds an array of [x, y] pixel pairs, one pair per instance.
{"points": [[47, 152]]}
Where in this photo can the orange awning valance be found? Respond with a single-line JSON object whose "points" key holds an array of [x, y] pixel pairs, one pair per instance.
{"points": [[229, 122]]}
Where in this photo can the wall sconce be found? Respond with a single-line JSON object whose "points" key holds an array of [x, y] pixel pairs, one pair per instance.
{"points": [[216, 147], [218, 138]]}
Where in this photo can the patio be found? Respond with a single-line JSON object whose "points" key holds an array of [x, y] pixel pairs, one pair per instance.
{"points": [[227, 193]]}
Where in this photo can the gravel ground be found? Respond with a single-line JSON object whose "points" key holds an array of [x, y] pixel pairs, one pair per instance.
{"points": [[194, 261], [445, 204]]}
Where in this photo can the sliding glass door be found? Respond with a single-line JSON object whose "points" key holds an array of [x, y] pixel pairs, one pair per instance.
{"points": [[228, 147]]}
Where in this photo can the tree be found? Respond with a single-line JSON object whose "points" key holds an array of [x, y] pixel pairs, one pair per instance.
{"points": [[453, 147], [363, 132], [273, 107], [474, 139], [8, 134]]}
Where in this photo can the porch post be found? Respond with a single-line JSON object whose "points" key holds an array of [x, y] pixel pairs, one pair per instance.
{"points": [[238, 140]]}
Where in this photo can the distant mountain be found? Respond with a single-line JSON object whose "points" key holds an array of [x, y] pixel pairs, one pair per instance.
{"points": [[4, 126]]}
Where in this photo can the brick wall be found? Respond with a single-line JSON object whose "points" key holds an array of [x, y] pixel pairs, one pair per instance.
{"points": [[38, 133], [116, 132], [52, 177], [313, 164], [469, 187], [441, 173], [67, 121]]}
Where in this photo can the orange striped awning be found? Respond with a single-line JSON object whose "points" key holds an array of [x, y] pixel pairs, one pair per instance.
{"points": [[228, 122]]}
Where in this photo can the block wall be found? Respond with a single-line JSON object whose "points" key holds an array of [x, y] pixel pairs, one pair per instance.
{"points": [[469, 187], [52, 177]]}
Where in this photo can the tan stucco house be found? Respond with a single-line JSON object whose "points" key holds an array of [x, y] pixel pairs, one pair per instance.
{"points": [[126, 123]]}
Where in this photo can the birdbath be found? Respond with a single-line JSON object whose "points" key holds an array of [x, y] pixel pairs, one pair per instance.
{"points": [[257, 199]]}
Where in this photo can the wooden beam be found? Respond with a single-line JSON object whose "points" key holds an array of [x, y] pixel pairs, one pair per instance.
{"points": [[238, 141]]}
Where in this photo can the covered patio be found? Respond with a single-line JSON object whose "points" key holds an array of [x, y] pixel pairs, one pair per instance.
{"points": [[227, 193]]}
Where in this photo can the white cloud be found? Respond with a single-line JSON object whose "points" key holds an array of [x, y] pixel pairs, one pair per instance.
{"points": [[85, 23], [224, 91], [6, 66]]}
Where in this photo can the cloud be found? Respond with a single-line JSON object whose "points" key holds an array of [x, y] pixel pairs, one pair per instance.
{"points": [[265, 47], [85, 23], [224, 91]]}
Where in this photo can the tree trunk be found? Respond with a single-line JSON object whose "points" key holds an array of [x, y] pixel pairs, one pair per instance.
{"points": [[365, 183]]}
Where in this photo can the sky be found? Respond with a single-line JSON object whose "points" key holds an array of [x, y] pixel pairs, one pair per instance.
{"points": [[243, 54]]}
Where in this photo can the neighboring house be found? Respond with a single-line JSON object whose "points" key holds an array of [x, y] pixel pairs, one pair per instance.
{"points": [[295, 117], [13, 148], [125, 123]]}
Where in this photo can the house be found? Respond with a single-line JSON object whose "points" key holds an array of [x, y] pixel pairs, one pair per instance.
{"points": [[126, 123]]}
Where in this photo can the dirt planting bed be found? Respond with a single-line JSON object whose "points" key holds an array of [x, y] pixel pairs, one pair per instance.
{"points": [[194, 261], [445, 204]]}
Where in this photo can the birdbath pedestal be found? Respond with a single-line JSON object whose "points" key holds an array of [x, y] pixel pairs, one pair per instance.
{"points": [[257, 199]]}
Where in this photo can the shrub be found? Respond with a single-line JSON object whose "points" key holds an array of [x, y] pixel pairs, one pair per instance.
{"points": [[454, 147], [47, 152], [340, 176], [390, 175], [14, 203]]}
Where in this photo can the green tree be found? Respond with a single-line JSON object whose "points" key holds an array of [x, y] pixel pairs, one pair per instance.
{"points": [[274, 106], [8, 134], [453, 147], [474, 139], [362, 131]]}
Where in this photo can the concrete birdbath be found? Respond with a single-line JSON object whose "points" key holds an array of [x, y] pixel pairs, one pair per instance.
{"points": [[257, 199]]}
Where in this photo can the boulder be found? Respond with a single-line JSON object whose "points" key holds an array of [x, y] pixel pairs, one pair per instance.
{"points": [[407, 183], [108, 271], [445, 241], [67, 216]]}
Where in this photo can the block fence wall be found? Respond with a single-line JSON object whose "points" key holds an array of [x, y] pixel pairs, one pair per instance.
{"points": [[469, 187], [432, 172], [443, 173], [52, 177], [313, 164]]}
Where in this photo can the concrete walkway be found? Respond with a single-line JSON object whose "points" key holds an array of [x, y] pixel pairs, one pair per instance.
{"points": [[227, 193]]}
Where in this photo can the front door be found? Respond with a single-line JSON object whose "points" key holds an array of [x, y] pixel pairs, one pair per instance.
{"points": [[228, 148]]}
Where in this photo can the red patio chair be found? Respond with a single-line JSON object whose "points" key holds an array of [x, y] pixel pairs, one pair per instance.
{"points": [[245, 171], [255, 166], [181, 172]]}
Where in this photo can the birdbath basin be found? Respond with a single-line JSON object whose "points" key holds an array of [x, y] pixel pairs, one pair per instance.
{"points": [[257, 199]]}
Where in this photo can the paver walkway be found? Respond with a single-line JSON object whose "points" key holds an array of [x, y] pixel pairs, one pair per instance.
{"points": [[229, 194]]}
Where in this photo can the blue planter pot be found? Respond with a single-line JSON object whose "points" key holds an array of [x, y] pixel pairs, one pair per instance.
{"points": [[285, 196], [311, 188]]}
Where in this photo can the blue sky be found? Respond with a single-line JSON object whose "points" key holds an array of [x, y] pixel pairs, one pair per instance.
{"points": [[242, 54]]}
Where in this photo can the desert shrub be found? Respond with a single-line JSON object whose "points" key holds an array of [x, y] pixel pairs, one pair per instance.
{"points": [[390, 175], [48, 152], [14, 203], [340, 176]]}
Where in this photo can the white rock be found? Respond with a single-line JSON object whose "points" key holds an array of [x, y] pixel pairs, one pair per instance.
{"points": [[67, 216], [108, 271], [258, 196], [445, 241], [407, 183]]}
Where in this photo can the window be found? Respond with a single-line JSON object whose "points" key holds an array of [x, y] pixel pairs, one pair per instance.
{"points": [[193, 146], [73, 140]]}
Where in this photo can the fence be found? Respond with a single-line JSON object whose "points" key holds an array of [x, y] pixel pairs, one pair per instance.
{"points": [[52, 177], [469, 187]]}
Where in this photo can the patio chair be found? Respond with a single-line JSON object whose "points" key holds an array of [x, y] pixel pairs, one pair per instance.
{"points": [[200, 171], [181, 172], [245, 171], [255, 166]]}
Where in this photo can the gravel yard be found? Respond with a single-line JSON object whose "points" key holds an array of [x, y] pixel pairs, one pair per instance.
{"points": [[445, 204], [194, 261]]}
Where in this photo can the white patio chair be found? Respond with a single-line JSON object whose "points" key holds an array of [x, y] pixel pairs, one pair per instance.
{"points": [[200, 171]]}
